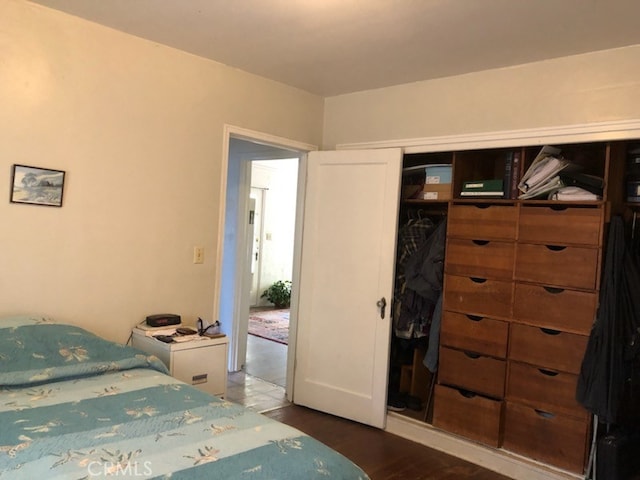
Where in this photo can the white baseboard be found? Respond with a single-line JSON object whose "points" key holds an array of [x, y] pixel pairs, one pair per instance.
{"points": [[497, 460]]}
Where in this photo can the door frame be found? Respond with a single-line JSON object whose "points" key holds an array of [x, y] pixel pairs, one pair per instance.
{"points": [[234, 329]]}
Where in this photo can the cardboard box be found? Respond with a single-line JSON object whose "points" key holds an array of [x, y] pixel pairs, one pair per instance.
{"points": [[436, 191], [438, 174]]}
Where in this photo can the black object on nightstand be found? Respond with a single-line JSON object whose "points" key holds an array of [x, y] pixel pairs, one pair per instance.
{"points": [[164, 338]]}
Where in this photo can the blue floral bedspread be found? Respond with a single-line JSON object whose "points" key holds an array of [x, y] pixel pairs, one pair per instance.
{"points": [[75, 406]]}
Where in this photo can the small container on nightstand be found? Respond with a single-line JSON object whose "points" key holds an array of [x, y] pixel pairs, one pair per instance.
{"points": [[201, 362]]}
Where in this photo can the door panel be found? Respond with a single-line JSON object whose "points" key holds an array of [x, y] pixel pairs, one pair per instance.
{"points": [[347, 265]]}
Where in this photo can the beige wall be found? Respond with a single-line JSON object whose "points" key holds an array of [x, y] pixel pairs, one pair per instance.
{"points": [[138, 129], [596, 87]]}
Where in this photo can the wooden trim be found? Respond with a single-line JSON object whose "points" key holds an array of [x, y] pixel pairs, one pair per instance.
{"points": [[300, 149], [267, 139], [497, 460], [590, 132]]}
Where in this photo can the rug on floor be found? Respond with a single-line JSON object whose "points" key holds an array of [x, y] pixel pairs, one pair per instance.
{"points": [[270, 324]]}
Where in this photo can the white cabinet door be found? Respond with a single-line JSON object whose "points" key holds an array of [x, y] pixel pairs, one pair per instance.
{"points": [[347, 267]]}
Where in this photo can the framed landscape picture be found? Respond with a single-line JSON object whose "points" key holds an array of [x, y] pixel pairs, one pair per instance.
{"points": [[37, 186]]}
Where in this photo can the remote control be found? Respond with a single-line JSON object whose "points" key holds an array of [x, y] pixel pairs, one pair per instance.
{"points": [[185, 331], [164, 338]]}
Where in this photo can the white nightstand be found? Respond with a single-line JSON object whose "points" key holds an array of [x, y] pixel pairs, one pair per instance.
{"points": [[201, 362]]}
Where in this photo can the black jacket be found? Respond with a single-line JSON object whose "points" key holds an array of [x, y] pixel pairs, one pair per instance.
{"points": [[609, 381]]}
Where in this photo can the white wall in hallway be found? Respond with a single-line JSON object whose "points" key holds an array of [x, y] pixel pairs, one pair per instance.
{"points": [[279, 178]]}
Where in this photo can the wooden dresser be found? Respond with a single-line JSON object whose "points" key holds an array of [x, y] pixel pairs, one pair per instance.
{"points": [[521, 289], [556, 292], [521, 285], [475, 324]]}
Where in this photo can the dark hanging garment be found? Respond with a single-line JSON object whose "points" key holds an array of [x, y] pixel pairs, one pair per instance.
{"points": [[422, 273], [424, 269], [618, 456], [629, 413], [609, 381]]}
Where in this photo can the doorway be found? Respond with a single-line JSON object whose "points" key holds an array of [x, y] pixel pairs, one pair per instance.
{"points": [[245, 148], [272, 203]]}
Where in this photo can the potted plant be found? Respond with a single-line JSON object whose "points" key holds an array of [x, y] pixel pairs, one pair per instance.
{"points": [[279, 293]]}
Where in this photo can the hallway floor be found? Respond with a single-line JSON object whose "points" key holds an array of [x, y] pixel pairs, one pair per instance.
{"points": [[266, 360], [255, 393], [260, 386]]}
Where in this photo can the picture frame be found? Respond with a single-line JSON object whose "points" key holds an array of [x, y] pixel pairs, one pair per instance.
{"points": [[37, 186]]}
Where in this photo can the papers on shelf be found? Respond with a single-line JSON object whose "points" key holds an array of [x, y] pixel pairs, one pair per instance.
{"points": [[188, 338], [543, 189], [151, 331], [544, 167], [575, 194], [550, 172]]}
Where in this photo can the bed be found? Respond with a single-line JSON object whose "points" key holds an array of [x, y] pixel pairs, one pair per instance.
{"points": [[75, 406]]}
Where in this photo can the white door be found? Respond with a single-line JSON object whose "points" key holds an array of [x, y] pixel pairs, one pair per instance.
{"points": [[347, 267], [256, 197]]}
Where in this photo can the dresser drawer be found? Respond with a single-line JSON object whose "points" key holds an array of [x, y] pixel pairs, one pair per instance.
{"points": [[546, 436], [201, 363], [483, 222], [471, 371], [545, 389], [557, 265], [480, 258], [546, 348], [204, 368], [478, 296], [568, 310], [469, 415], [560, 225], [476, 334]]}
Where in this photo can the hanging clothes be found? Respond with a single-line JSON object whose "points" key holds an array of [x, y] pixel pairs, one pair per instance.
{"points": [[609, 381], [411, 236], [422, 275]]}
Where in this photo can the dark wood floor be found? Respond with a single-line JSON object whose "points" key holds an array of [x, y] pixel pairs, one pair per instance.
{"points": [[382, 455]]}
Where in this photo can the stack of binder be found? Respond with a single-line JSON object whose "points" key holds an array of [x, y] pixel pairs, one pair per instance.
{"points": [[542, 177], [590, 183], [556, 178], [492, 188]]}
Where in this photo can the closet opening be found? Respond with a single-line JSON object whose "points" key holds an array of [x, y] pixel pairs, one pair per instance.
{"points": [[417, 302]]}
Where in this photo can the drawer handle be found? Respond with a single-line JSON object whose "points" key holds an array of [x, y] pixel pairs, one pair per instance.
{"points": [[550, 331], [472, 355], [554, 290], [481, 243], [198, 379], [482, 205], [474, 318], [548, 373], [558, 208], [477, 279], [466, 393], [555, 248], [544, 414]]}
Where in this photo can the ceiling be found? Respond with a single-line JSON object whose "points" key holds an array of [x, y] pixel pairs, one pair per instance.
{"points": [[331, 47]]}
